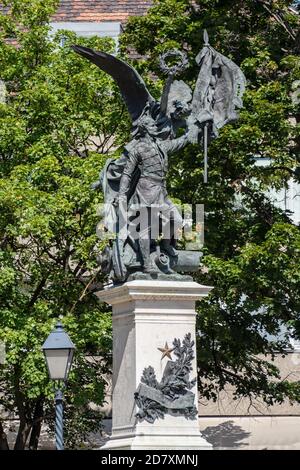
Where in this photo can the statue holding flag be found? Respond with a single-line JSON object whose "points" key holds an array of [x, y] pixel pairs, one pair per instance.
{"points": [[137, 207]]}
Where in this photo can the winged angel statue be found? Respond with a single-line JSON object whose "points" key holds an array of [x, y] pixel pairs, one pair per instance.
{"points": [[137, 208]]}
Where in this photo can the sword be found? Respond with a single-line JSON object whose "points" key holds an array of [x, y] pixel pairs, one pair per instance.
{"points": [[117, 254]]}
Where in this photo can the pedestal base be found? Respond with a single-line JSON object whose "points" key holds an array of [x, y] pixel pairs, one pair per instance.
{"points": [[158, 442], [149, 318]]}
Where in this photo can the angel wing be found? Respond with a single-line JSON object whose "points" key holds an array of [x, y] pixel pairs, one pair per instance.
{"points": [[219, 87], [131, 84]]}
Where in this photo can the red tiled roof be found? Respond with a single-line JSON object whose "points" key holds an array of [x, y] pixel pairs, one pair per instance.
{"points": [[100, 10]]}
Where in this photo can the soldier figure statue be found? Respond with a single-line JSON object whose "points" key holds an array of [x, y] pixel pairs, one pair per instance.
{"points": [[137, 208]]}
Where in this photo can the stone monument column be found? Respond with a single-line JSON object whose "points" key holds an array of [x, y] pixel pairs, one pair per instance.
{"points": [[155, 396], [154, 354]]}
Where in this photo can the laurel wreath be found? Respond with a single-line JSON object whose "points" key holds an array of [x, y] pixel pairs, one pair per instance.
{"points": [[181, 65]]}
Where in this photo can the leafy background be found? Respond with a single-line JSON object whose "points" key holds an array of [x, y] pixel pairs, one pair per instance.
{"points": [[60, 119]]}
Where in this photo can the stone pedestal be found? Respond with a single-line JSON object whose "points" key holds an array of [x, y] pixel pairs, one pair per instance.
{"points": [[147, 314]]}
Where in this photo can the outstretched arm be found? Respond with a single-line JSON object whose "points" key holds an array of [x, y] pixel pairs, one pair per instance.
{"points": [[191, 136], [173, 145]]}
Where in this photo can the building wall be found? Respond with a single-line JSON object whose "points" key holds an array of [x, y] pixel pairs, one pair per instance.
{"points": [[226, 405], [252, 425], [252, 432]]}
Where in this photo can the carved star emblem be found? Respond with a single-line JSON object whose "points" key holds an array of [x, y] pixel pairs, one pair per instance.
{"points": [[166, 351]]}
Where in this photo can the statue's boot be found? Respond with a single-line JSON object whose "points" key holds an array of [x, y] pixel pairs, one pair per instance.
{"points": [[168, 248]]}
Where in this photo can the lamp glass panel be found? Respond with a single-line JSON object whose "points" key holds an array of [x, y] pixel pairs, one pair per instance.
{"points": [[57, 361], [70, 361]]}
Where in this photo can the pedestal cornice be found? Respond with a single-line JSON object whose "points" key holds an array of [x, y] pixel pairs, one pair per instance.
{"points": [[156, 290]]}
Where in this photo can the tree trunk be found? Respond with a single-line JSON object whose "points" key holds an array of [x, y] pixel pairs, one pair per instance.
{"points": [[20, 401], [37, 424], [23, 433], [3, 439]]}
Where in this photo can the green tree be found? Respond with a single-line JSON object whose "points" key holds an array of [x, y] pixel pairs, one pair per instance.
{"points": [[252, 248], [56, 128]]}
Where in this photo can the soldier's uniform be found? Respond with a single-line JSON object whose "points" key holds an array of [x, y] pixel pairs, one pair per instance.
{"points": [[150, 198]]}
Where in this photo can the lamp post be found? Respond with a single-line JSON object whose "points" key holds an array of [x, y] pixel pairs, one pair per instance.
{"points": [[58, 350]]}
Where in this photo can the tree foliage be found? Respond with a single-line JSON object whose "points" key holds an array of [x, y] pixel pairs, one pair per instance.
{"points": [[56, 127], [252, 247], [60, 118]]}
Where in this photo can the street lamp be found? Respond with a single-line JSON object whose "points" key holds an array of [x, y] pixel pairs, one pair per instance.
{"points": [[58, 350]]}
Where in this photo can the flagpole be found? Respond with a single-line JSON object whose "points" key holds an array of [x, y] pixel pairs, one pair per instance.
{"points": [[205, 130], [205, 138]]}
